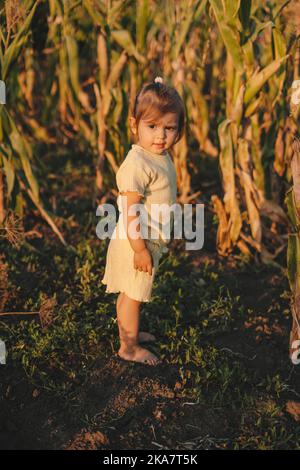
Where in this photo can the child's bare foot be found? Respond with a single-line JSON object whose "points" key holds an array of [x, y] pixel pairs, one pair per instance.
{"points": [[145, 337], [139, 354]]}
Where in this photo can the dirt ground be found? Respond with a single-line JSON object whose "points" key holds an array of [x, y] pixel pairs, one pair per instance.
{"points": [[123, 405], [134, 406]]}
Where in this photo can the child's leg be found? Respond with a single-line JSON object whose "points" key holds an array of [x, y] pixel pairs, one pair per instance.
{"points": [[128, 313], [119, 300], [143, 336]]}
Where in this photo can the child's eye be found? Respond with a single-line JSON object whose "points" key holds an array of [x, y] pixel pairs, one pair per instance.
{"points": [[168, 128]]}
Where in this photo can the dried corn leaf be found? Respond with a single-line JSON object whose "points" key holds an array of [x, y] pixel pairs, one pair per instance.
{"points": [[249, 189], [223, 237], [227, 167]]}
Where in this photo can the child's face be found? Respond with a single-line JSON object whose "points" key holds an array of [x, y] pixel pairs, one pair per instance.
{"points": [[156, 135]]}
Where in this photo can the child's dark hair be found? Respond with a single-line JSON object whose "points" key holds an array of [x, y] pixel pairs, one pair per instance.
{"points": [[155, 99]]}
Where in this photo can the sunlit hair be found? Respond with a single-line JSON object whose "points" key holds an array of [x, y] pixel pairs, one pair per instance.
{"points": [[156, 99]]}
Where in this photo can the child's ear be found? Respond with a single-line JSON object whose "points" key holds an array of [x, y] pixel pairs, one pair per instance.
{"points": [[132, 124]]}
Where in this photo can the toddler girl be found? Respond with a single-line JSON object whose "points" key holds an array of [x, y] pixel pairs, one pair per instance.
{"points": [[147, 176]]}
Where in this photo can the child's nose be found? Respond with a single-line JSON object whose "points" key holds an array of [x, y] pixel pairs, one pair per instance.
{"points": [[161, 132]]}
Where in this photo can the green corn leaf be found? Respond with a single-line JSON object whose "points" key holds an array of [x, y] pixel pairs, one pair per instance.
{"points": [[200, 9], [1, 125], [279, 43], [200, 104], [23, 150], [142, 19], [169, 15], [123, 38], [1, 53], [229, 33], [185, 27], [291, 207], [244, 13], [259, 27], [115, 12], [10, 174], [231, 8], [119, 106], [11, 55], [114, 75], [249, 57], [237, 111], [14, 48], [280, 51], [256, 82], [72, 50], [96, 14], [253, 106], [293, 260]]}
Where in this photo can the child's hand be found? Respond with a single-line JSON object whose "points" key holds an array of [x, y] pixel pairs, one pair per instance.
{"points": [[143, 261]]}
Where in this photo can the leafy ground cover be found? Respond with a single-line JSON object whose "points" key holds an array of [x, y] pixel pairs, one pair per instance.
{"points": [[221, 325]]}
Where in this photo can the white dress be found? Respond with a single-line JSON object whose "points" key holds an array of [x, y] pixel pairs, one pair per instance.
{"points": [[154, 177]]}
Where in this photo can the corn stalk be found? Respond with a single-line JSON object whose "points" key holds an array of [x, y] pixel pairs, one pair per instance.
{"points": [[293, 205], [16, 154], [245, 203], [184, 62]]}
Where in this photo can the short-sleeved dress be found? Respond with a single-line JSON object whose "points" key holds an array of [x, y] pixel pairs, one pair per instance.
{"points": [[153, 176]]}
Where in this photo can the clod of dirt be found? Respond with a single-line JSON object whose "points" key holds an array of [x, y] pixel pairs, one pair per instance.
{"points": [[87, 441], [293, 408]]}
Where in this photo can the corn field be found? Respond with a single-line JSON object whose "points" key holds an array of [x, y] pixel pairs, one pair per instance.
{"points": [[72, 69]]}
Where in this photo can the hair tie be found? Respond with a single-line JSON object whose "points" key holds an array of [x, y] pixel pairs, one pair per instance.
{"points": [[158, 80]]}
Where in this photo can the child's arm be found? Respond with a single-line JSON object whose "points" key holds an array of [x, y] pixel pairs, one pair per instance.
{"points": [[142, 256]]}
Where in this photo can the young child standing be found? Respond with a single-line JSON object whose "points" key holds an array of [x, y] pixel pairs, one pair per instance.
{"points": [[147, 176]]}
